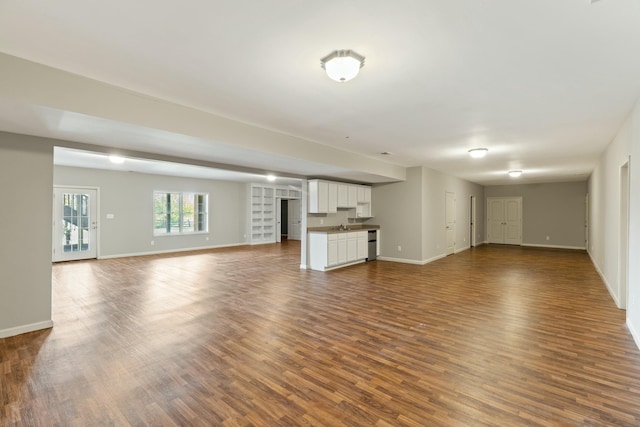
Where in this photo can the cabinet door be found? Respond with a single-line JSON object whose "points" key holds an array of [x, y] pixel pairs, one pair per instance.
{"points": [[353, 196], [332, 197], [363, 245], [360, 193], [342, 248], [343, 195], [352, 247], [332, 252], [313, 196], [367, 194]]}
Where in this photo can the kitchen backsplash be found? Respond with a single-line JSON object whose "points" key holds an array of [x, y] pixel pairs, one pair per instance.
{"points": [[331, 219]]}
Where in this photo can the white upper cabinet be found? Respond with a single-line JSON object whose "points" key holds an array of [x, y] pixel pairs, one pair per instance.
{"points": [[353, 196], [343, 195], [332, 206], [329, 196], [318, 196]]}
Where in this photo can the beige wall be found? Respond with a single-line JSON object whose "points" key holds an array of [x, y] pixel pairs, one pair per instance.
{"points": [[26, 180], [605, 209], [129, 197], [411, 214], [556, 210]]}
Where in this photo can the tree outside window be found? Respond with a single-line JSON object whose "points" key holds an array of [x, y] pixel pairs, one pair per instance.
{"points": [[180, 213]]}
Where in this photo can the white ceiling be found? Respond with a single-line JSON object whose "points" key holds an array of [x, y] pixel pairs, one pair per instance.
{"points": [[543, 84]]}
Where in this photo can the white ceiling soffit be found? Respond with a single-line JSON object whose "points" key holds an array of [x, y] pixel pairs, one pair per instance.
{"points": [[544, 84], [90, 159]]}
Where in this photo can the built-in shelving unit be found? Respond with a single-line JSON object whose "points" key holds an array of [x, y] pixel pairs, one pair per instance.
{"points": [[263, 210]]}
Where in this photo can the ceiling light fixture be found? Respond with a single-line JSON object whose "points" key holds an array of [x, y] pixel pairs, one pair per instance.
{"points": [[116, 159], [515, 174], [478, 153], [342, 65], [271, 177]]}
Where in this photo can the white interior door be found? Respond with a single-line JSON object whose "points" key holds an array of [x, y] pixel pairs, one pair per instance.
{"points": [[450, 225], [75, 223], [495, 220], [513, 221], [295, 219], [504, 220]]}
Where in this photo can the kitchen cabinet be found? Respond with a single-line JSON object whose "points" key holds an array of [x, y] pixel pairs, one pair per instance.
{"points": [[352, 247], [362, 245], [342, 248], [333, 250], [364, 194], [323, 196], [352, 196], [318, 196], [329, 196], [332, 206], [343, 195]]}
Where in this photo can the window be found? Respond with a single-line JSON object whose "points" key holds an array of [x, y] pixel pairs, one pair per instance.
{"points": [[180, 213]]}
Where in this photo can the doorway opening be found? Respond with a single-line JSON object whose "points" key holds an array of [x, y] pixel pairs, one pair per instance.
{"points": [[472, 222], [288, 219], [75, 223]]}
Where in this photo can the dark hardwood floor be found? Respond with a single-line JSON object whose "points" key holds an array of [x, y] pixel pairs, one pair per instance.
{"points": [[495, 335]]}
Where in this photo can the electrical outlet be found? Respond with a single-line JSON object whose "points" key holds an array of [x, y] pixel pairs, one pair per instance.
{"points": [[206, 238], [321, 221], [548, 238], [153, 243], [399, 248]]}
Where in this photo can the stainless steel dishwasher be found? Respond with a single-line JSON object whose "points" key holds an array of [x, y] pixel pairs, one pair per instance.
{"points": [[372, 241]]}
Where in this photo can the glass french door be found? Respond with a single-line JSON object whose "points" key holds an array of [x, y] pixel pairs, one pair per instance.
{"points": [[74, 223]]}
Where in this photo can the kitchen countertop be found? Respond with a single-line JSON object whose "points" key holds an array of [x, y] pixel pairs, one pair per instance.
{"points": [[333, 229]]}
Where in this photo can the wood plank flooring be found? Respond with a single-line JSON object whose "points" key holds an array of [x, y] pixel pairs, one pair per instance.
{"points": [[495, 335]]}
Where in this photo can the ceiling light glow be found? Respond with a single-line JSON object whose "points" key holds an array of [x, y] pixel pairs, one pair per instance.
{"points": [[515, 174], [478, 153], [116, 159], [342, 65], [271, 177]]}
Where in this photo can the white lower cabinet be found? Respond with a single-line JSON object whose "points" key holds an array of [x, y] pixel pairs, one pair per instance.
{"points": [[342, 248], [363, 244], [352, 247], [332, 250]]}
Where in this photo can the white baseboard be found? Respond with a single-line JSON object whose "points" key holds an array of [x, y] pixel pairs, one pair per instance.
{"points": [[531, 245], [23, 329], [604, 280], [168, 251], [634, 333], [457, 251]]}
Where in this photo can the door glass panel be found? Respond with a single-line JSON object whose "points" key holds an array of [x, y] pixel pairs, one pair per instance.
{"points": [[76, 236]]}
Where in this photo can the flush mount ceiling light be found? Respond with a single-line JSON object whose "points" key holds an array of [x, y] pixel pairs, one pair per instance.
{"points": [[478, 153], [342, 65], [116, 159], [515, 174], [271, 177]]}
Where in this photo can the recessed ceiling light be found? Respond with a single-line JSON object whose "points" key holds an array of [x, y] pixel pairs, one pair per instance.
{"points": [[478, 153], [116, 159], [271, 177], [515, 174]]}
